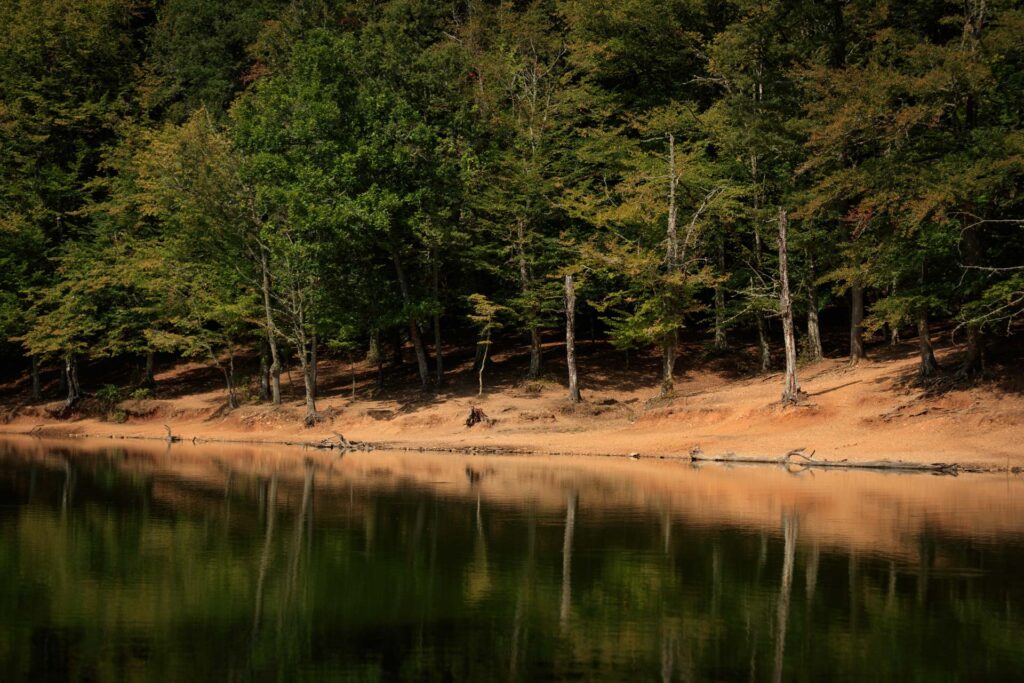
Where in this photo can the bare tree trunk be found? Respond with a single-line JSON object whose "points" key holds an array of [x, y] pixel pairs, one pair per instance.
{"points": [[856, 322], [438, 349], [352, 369], [672, 231], [148, 379], [414, 329], [486, 344], [535, 353], [37, 392], [264, 372], [929, 366], [313, 365], [268, 311], [762, 343], [570, 339], [526, 283], [670, 340], [307, 378], [762, 331], [71, 372], [668, 363], [229, 378], [814, 350], [478, 356], [791, 390], [720, 340], [375, 356]]}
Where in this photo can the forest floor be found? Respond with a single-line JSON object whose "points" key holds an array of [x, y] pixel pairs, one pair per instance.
{"points": [[868, 412]]}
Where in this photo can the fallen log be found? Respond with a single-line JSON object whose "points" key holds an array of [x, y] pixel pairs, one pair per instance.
{"points": [[797, 458]]}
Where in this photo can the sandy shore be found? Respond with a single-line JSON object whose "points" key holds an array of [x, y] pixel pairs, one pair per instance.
{"points": [[868, 412]]}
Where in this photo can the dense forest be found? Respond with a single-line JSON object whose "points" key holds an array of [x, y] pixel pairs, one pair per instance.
{"points": [[207, 178]]}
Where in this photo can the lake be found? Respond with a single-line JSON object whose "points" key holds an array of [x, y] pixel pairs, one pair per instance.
{"points": [[124, 560]]}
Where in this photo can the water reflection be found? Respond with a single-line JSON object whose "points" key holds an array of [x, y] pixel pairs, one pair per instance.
{"points": [[250, 564]]}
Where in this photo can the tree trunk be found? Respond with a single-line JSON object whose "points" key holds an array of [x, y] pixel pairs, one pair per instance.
{"points": [[438, 349], [791, 389], [37, 391], [814, 350], [856, 322], [526, 283], [478, 356], [268, 311], [669, 341], [929, 366], [414, 329], [264, 372], [352, 369], [762, 343], [972, 363], [668, 363], [720, 340], [71, 373], [762, 332], [672, 232], [535, 353], [307, 379], [486, 344], [375, 356], [229, 379], [570, 339], [148, 379], [314, 367]]}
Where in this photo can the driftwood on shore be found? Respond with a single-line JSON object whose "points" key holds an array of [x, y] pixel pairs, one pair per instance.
{"points": [[171, 438], [340, 443], [798, 458]]}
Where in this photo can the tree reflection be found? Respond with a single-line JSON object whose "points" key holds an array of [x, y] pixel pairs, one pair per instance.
{"points": [[790, 526], [570, 527]]}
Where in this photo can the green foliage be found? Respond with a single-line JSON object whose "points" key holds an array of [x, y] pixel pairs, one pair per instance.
{"points": [[192, 176]]}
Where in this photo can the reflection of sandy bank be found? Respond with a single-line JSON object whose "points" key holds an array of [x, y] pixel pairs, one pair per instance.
{"points": [[846, 509]]}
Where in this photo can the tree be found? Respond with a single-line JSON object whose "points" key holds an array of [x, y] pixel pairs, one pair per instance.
{"points": [[486, 317], [791, 390], [570, 338]]}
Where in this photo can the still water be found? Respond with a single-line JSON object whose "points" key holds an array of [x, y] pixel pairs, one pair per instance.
{"points": [[142, 562]]}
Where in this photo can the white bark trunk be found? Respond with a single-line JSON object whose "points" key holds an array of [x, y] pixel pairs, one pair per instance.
{"points": [[791, 390], [570, 339]]}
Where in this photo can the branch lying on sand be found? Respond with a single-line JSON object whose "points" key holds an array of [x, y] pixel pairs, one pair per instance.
{"points": [[791, 458]]}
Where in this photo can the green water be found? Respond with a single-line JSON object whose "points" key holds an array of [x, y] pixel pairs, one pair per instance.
{"points": [[113, 568]]}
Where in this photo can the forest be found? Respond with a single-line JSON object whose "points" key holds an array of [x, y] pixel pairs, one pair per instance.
{"points": [[212, 179]]}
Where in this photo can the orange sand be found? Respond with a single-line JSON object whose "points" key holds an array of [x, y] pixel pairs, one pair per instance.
{"points": [[864, 413]]}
